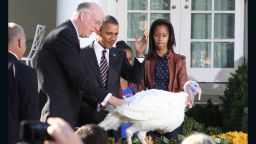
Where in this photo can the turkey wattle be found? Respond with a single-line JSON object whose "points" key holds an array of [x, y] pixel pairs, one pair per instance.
{"points": [[152, 110]]}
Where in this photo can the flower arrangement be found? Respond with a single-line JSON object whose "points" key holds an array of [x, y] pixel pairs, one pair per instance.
{"points": [[233, 137]]}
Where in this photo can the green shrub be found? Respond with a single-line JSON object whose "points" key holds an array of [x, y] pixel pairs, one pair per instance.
{"points": [[191, 126], [208, 114], [213, 130], [235, 99]]}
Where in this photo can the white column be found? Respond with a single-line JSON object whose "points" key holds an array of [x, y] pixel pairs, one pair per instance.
{"points": [[65, 9]]}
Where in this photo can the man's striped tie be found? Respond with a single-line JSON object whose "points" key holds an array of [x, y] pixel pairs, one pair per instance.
{"points": [[104, 67]]}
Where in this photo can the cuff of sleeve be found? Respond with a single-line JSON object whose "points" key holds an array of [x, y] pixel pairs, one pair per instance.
{"points": [[106, 99]]}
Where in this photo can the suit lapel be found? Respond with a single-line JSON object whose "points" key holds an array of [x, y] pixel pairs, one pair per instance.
{"points": [[92, 61], [74, 33], [112, 67]]}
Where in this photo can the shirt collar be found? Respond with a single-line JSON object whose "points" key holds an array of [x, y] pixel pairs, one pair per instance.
{"points": [[75, 28], [13, 54], [98, 47], [98, 51]]}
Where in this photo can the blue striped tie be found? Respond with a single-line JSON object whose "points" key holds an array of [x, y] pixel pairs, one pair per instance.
{"points": [[104, 67]]}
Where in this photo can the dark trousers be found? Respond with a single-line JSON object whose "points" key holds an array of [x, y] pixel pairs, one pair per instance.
{"points": [[170, 135]]}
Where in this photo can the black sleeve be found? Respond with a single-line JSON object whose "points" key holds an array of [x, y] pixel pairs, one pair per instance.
{"points": [[69, 53], [28, 89], [132, 73]]}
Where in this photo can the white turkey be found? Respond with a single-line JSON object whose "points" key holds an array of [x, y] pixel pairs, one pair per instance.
{"points": [[152, 110]]}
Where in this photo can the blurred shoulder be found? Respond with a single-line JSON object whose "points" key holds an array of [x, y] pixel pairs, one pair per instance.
{"points": [[24, 69], [118, 50], [180, 57]]}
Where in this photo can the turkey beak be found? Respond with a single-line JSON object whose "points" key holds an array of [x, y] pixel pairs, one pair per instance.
{"points": [[199, 93]]}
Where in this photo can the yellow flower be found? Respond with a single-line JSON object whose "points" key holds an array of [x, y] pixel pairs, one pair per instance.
{"points": [[232, 137]]}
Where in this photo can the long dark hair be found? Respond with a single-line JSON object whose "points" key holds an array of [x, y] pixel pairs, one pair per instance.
{"points": [[171, 40], [123, 45]]}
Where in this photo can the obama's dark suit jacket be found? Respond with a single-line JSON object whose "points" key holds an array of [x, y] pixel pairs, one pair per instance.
{"points": [[118, 66]]}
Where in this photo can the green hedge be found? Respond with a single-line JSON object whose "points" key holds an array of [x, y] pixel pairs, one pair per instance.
{"points": [[235, 99]]}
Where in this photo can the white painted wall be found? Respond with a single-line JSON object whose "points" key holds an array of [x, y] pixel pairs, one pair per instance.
{"points": [[51, 13], [28, 13]]}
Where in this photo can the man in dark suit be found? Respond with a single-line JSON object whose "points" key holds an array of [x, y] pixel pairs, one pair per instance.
{"points": [[23, 102], [118, 65], [60, 70]]}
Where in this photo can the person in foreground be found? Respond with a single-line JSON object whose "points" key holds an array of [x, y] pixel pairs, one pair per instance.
{"points": [[163, 68], [23, 102], [92, 134], [62, 132], [198, 138], [60, 71]]}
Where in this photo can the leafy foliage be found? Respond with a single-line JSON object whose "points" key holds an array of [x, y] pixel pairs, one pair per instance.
{"points": [[209, 114], [235, 99], [191, 126]]}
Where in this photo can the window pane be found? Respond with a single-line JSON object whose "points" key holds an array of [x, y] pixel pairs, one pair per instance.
{"points": [[201, 54], [137, 4], [155, 16], [224, 5], [201, 26], [201, 4], [224, 55], [224, 26], [137, 23], [160, 4]]}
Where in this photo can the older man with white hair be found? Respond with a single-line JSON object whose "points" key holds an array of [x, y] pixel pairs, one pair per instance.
{"points": [[60, 70]]}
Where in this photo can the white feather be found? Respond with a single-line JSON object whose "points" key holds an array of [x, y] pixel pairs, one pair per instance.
{"points": [[149, 110]]}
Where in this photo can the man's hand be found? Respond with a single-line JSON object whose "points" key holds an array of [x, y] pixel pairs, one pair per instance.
{"points": [[141, 44], [115, 101]]}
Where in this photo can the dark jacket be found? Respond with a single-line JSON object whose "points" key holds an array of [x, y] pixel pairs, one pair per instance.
{"points": [[62, 75], [23, 101], [177, 72], [118, 66]]}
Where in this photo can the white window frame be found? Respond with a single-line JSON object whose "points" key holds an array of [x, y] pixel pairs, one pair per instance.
{"points": [[181, 20]]}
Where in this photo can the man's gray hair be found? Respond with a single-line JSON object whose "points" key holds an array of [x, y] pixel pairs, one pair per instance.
{"points": [[14, 30], [85, 7]]}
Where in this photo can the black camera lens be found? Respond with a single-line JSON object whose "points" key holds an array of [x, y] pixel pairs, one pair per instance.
{"points": [[33, 131]]}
